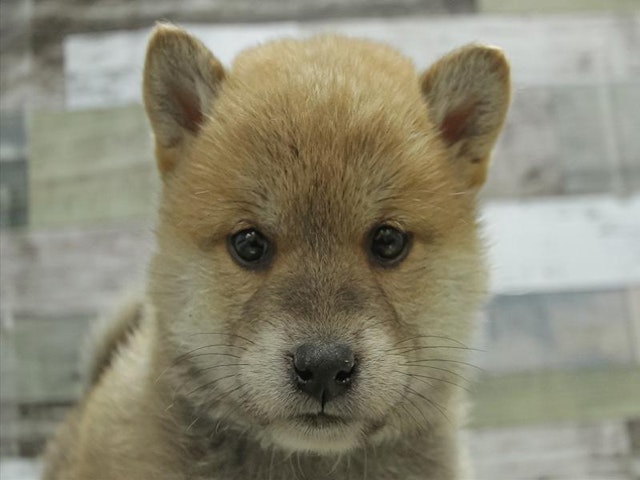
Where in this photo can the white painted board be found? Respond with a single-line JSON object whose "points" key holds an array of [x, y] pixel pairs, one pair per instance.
{"points": [[105, 69], [565, 243]]}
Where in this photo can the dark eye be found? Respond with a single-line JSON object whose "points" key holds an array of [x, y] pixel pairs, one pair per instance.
{"points": [[249, 248], [389, 245]]}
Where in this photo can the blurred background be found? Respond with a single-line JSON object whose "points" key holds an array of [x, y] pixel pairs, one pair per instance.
{"points": [[558, 396]]}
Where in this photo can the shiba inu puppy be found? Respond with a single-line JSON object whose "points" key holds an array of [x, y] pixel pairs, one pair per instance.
{"points": [[317, 268]]}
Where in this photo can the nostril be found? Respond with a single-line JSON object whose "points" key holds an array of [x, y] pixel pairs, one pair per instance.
{"points": [[343, 377], [304, 375]]}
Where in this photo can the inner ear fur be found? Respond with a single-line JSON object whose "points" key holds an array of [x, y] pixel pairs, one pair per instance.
{"points": [[467, 94], [181, 80]]}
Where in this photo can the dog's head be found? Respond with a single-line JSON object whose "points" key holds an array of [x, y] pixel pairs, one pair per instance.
{"points": [[318, 259]]}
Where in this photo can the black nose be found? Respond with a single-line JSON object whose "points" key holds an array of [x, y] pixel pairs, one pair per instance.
{"points": [[323, 370]]}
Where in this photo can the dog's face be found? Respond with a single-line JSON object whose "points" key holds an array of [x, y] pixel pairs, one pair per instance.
{"points": [[318, 261]]}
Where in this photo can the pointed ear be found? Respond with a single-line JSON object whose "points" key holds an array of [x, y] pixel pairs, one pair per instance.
{"points": [[181, 80], [467, 93]]}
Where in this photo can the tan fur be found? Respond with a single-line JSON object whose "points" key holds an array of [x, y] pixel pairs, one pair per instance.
{"points": [[314, 142], [110, 334]]}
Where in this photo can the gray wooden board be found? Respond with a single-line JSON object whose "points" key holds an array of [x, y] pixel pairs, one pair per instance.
{"points": [[567, 140], [14, 185], [625, 107], [15, 54], [14, 193], [554, 451], [560, 331], [13, 142], [52, 274]]}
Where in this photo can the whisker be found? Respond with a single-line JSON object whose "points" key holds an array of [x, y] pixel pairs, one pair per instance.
{"points": [[441, 337], [335, 466], [406, 398], [181, 357], [459, 362], [368, 326], [364, 468], [209, 354], [427, 347], [208, 384], [451, 372], [229, 345], [222, 333], [416, 375], [215, 354], [238, 406], [179, 388], [192, 424], [188, 356], [227, 365], [220, 397], [431, 402]]}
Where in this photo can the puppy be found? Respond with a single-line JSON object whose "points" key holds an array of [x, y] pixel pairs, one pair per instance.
{"points": [[317, 268]]}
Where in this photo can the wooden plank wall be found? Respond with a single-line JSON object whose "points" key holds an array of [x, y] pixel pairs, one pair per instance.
{"points": [[562, 209]]}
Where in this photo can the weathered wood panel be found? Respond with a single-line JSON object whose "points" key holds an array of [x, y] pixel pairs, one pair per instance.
{"points": [[573, 243], [556, 396], [555, 451], [625, 111], [544, 50], [557, 6], [53, 274], [634, 330], [20, 469], [559, 331], [45, 367], [15, 54], [91, 166], [568, 140], [13, 170]]}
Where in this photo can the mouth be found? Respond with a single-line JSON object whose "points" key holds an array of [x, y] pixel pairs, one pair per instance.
{"points": [[320, 420], [318, 432]]}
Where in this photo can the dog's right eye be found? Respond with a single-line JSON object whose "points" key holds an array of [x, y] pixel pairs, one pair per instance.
{"points": [[389, 246], [249, 248]]}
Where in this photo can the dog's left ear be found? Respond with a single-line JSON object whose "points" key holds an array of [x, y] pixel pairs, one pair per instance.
{"points": [[181, 81], [467, 92]]}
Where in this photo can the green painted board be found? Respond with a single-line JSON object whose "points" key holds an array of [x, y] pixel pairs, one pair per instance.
{"points": [[90, 166], [555, 6], [553, 396], [42, 359]]}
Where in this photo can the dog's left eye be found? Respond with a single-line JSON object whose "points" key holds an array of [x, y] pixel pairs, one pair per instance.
{"points": [[250, 248], [389, 245]]}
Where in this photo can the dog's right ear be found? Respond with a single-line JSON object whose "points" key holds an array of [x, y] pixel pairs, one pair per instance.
{"points": [[181, 80]]}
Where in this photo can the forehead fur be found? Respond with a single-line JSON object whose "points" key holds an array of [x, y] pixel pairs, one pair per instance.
{"points": [[327, 133]]}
